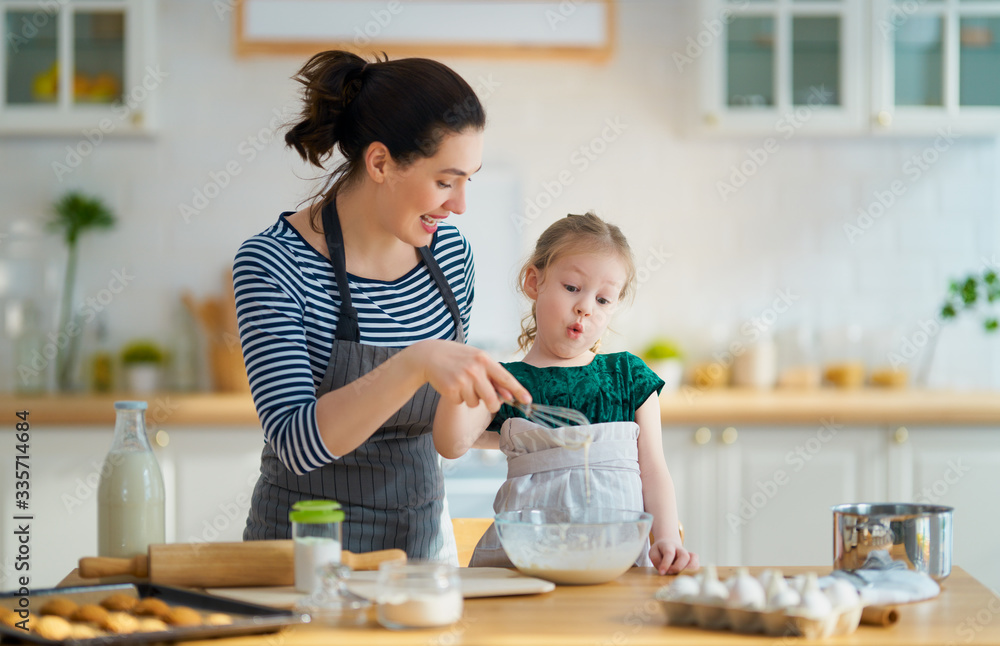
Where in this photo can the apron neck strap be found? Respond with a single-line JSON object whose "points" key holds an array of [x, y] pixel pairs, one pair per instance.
{"points": [[347, 321]]}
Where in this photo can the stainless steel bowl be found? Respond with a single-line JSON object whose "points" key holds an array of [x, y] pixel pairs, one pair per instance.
{"points": [[918, 535]]}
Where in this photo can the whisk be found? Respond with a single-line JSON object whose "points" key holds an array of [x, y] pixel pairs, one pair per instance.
{"points": [[551, 416]]}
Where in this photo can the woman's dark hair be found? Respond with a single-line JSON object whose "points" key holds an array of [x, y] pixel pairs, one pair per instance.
{"points": [[408, 104]]}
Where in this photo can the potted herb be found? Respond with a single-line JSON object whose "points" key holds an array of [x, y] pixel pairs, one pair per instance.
{"points": [[977, 292], [665, 358], [143, 361], [73, 215]]}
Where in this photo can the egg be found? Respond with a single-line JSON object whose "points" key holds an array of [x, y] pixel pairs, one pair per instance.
{"points": [[712, 590], [684, 587], [842, 594], [780, 594], [814, 603], [745, 591]]}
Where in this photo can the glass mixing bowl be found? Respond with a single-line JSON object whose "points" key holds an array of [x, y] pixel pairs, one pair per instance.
{"points": [[573, 546]]}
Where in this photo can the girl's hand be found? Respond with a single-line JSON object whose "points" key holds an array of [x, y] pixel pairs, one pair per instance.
{"points": [[670, 557], [462, 373]]}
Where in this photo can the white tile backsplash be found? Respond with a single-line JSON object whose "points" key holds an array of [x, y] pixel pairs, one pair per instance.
{"points": [[783, 229]]}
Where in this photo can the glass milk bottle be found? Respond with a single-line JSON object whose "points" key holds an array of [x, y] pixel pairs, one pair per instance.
{"points": [[130, 498]]}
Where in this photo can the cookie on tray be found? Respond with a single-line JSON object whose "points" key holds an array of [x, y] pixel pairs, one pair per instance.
{"points": [[151, 607], [119, 601], [52, 627], [59, 607], [120, 623], [218, 619], [90, 612], [183, 616], [150, 625]]}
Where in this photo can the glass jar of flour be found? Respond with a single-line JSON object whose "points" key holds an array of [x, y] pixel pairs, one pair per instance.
{"points": [[316, 537]]}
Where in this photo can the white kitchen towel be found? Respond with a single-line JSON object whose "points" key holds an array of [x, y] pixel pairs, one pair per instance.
{"points": [[542, 472], [883, 587]]}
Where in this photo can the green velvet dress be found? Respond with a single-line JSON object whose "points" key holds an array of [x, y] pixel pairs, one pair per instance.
{"points": [[608, 389]]}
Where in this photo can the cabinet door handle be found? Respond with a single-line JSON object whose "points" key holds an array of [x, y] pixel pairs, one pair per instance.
{"points": [[703, 435], [901, 435], [884, 118], [162, 438], [729, 435]]}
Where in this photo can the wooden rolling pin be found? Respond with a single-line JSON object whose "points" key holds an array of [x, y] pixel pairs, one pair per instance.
{"points": [[221, 565]]}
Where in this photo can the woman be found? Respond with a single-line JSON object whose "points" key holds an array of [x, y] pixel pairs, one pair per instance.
{"points": [[353, 312]]}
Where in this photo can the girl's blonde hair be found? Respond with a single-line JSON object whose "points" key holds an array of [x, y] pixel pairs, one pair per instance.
{"points": [[573, 234]]}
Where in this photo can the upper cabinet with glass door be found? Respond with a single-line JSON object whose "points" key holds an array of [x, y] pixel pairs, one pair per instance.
{"points": [[936, 64], [78, 67], [783, 66]]}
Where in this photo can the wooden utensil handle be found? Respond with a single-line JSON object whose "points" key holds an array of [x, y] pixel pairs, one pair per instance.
{"points": [[879, 615], [92, 567], [371, 560]]}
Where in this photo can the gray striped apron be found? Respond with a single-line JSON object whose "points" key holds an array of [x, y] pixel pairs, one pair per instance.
{"points": [[391, 487]]}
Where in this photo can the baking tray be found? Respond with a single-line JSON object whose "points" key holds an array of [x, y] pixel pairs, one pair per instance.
{"points": [[248, 618]]}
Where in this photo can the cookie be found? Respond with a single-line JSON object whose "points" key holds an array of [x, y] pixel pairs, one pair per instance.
{"points": [[183, 616], [58, 606], [150, 625], [52, 627], [151, 607], [90, 612], [119, 601], [83, 631], [12, 618], [120, 623], [218, 619]]}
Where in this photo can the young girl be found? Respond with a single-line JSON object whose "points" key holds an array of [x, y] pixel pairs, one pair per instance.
{"points": [[580, 271]]}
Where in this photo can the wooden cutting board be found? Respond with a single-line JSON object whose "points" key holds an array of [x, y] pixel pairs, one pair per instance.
{"points": [[476, 582]]}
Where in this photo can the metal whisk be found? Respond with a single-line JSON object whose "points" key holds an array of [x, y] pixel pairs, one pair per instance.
{"points": [[551, 416]]}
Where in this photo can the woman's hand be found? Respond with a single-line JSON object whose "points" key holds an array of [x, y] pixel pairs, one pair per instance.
{"points": [[464, 374], [670, 557]]}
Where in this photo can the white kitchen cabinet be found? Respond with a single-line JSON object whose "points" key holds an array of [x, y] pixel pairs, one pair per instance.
{"points": [[65, 469], [762, 496], [208, 475], [934, 65], [780, 67], [885, 67], [86, 68], [212, 472], [959, 467]]}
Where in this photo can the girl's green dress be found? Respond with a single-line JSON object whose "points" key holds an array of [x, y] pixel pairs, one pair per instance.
{"points": [[608, 389]]}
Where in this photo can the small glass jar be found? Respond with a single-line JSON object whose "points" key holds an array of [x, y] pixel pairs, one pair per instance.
{"points": [[316, 537], [418, 595], [333, 604]]}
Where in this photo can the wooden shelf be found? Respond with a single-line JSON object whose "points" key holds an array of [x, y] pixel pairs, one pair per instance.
{"points": [[688, 406], [865, 406]]}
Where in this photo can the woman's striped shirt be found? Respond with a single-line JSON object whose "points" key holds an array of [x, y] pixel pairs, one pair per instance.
{"points": [[287, 305]]}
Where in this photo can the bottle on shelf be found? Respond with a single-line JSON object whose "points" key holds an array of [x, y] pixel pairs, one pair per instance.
{"points": [[130, 497]]}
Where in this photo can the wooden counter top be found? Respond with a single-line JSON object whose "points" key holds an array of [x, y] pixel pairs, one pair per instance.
{"points": [[624, 612], [688, 406]]}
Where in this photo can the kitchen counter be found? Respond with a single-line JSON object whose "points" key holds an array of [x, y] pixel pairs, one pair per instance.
{"points": [[688, 406], [624, 612]]}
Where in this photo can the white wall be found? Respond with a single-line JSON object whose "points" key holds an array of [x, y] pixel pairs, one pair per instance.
{"points": [[728, 259]]}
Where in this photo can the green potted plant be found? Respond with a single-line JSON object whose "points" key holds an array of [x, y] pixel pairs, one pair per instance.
{"points": [[143, 362], [977, 292], [73, 215], [666, 360]]}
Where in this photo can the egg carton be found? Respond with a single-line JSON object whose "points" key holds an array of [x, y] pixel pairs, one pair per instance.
{"points": [[776, 623]]}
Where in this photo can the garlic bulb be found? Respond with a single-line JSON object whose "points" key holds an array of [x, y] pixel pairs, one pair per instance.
{"points": [[684, 587], [780, 595], [766, 576], [745, 591], [842, 594], [712, 590], [814, 603]]}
